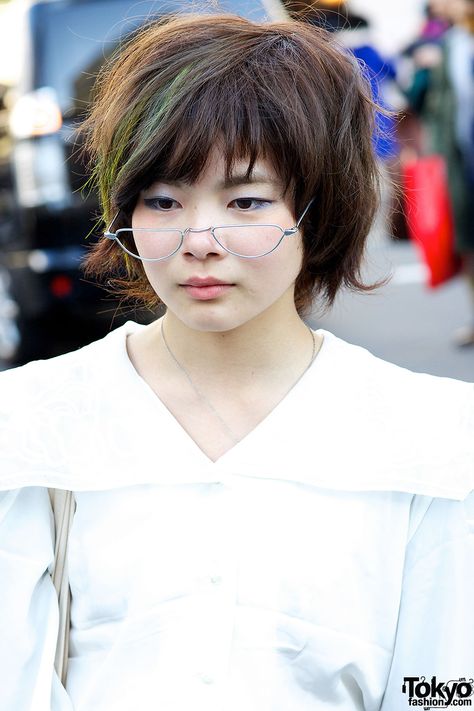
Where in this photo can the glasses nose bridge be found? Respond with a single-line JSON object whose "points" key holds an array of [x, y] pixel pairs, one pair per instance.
{"points": [[197, 229], [209, 243]]}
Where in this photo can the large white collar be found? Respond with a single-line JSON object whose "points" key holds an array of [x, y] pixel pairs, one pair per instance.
{"points": [[87, 421]]}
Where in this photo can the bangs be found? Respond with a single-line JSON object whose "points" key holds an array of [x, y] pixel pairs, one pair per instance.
{"points": [[247, 105], [220, 118]]}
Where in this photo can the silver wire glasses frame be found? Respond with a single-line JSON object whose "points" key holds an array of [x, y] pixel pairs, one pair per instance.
{"points": [[115, 236]]}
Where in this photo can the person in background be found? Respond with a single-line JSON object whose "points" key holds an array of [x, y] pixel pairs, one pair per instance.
{"points": [[460, 40], [435, 24], [442, 93], [419, 54]]}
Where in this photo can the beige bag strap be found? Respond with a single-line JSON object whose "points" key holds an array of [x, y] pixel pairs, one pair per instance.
{"points": [[63, 505]]}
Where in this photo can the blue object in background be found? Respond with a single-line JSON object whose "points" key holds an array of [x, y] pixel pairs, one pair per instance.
{"points": [[378, 71]]}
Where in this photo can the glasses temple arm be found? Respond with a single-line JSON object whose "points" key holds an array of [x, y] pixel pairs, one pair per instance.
{"points": [[304, 212], [108, 232]]}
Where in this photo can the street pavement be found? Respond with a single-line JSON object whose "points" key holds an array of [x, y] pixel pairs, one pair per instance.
{"points": [[404, 322]]}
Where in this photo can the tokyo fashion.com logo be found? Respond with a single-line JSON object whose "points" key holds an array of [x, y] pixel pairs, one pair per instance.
{"points": [[438, 694]]}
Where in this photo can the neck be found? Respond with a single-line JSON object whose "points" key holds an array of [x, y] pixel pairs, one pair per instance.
{"points": [[260, 348]]}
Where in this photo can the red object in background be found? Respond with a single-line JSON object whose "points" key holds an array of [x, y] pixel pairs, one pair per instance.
{"points": [[61, 286], [429, 216]]}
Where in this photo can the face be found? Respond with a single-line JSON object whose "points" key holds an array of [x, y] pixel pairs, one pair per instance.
{"points": [[251, 287], [459, 10], [440, 8]]}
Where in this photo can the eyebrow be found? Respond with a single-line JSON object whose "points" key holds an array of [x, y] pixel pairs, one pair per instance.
{"points": [[243, 179], [233, 181]]}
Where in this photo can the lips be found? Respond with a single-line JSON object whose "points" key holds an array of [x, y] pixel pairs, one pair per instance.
{"points": [[207, 281], [207, 290]]}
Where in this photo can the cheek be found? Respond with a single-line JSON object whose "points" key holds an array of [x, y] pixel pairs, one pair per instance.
{"points": [[157, 275], [278, 270], [292, 257], [139, 215]]}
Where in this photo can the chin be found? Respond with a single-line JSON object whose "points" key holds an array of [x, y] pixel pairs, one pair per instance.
{"points": [[208, 317]]}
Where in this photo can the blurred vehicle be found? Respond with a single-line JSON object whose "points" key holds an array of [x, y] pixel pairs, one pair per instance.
{"points": [[45, 214]]}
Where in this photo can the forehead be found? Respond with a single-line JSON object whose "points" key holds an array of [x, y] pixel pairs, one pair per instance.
{"points": [[215, 175]]}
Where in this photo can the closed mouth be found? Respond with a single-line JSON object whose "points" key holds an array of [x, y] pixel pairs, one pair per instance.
{"points": [[200, 283]]}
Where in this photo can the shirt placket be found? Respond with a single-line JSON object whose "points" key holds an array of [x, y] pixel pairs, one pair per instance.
{"points": [[216, 599]]}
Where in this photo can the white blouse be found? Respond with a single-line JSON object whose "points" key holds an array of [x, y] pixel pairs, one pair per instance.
{"points": [[323, 559]]}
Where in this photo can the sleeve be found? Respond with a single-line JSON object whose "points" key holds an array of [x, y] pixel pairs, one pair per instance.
{"points": [[28, 604], [433, 658]]}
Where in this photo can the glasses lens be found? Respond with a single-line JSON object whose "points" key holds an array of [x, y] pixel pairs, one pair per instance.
{"points": [[149, 244], [249, 240]]}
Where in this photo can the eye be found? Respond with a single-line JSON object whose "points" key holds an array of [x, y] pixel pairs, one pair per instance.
{"points": [[163, 204], [246, 203]]}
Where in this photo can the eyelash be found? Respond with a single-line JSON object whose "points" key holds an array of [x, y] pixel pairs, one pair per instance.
{"points": [[260, 201], [154, 202]]}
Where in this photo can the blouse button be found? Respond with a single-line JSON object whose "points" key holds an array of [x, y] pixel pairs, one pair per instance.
{"points": [[206, 679]]}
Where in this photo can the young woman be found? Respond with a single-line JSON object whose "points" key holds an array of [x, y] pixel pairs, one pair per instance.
{"points": [[267, 518]]}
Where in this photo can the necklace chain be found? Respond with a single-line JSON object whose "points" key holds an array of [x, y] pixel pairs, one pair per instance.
{"points": [[205, 400]]}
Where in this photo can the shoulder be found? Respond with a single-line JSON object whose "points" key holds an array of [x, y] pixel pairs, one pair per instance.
{"points": [[46, 405], [379, 379], [42, 382], [32, 391], [400, 429], [69, 367], [37, 378]]}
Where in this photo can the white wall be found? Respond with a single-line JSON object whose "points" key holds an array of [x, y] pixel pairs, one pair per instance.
{"points": [[394, 22], [11, 15]]}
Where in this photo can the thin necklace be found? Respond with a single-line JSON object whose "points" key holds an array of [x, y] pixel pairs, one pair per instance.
{"points": [[204, 399]]}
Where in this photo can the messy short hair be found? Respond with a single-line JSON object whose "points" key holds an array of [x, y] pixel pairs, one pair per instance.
{"points": [[281, 91]]}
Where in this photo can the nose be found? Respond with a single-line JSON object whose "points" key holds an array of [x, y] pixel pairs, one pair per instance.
{"points": [[200, 243]]}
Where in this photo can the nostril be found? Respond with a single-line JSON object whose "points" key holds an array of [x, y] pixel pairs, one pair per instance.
{"points": [[204, 242]]}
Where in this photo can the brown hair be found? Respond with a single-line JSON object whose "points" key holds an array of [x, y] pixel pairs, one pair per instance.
{"points": [[281, 91]]}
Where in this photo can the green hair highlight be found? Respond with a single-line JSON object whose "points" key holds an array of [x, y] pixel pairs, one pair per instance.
{"points": [[130, 140]]}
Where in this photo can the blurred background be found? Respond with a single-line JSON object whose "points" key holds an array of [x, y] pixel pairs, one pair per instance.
{"points": [[419, 59]]}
